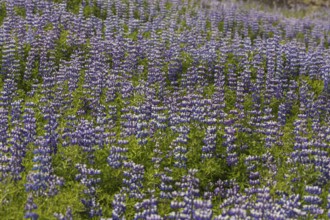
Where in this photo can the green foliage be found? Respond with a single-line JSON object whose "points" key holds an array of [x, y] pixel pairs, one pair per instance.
{"points": [[208, 24], [20, 11], [187, 61], [73, 5], [316, 85], [22, 84], [134, 35], [13, 195], [230, 98], [270, 34], [183, 11], [88, 11], [136, 14], [209, 90], [48, 26], [300, 36], [65, 160], [94, 10], [146, 35], [2, 12], [248, 102], [274, 105], [113, 9], [183, 25], [12, 199], [126, 28], [1, 75], [168, 5], [193, 13]]}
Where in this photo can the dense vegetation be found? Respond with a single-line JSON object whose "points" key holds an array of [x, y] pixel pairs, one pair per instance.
{"points": [[293, 3], [162, 109]]}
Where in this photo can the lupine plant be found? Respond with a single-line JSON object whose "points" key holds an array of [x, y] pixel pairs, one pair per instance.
{"points": [[163, 109]]}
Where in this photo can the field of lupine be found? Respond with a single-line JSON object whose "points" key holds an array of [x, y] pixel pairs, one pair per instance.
{"points": [[162, 109]]}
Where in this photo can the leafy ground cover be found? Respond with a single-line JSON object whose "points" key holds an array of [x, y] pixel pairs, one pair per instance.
{"points": [[162, 109]]}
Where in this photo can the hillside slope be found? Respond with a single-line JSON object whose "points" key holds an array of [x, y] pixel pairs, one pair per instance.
{"points": [[296, 3]]}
